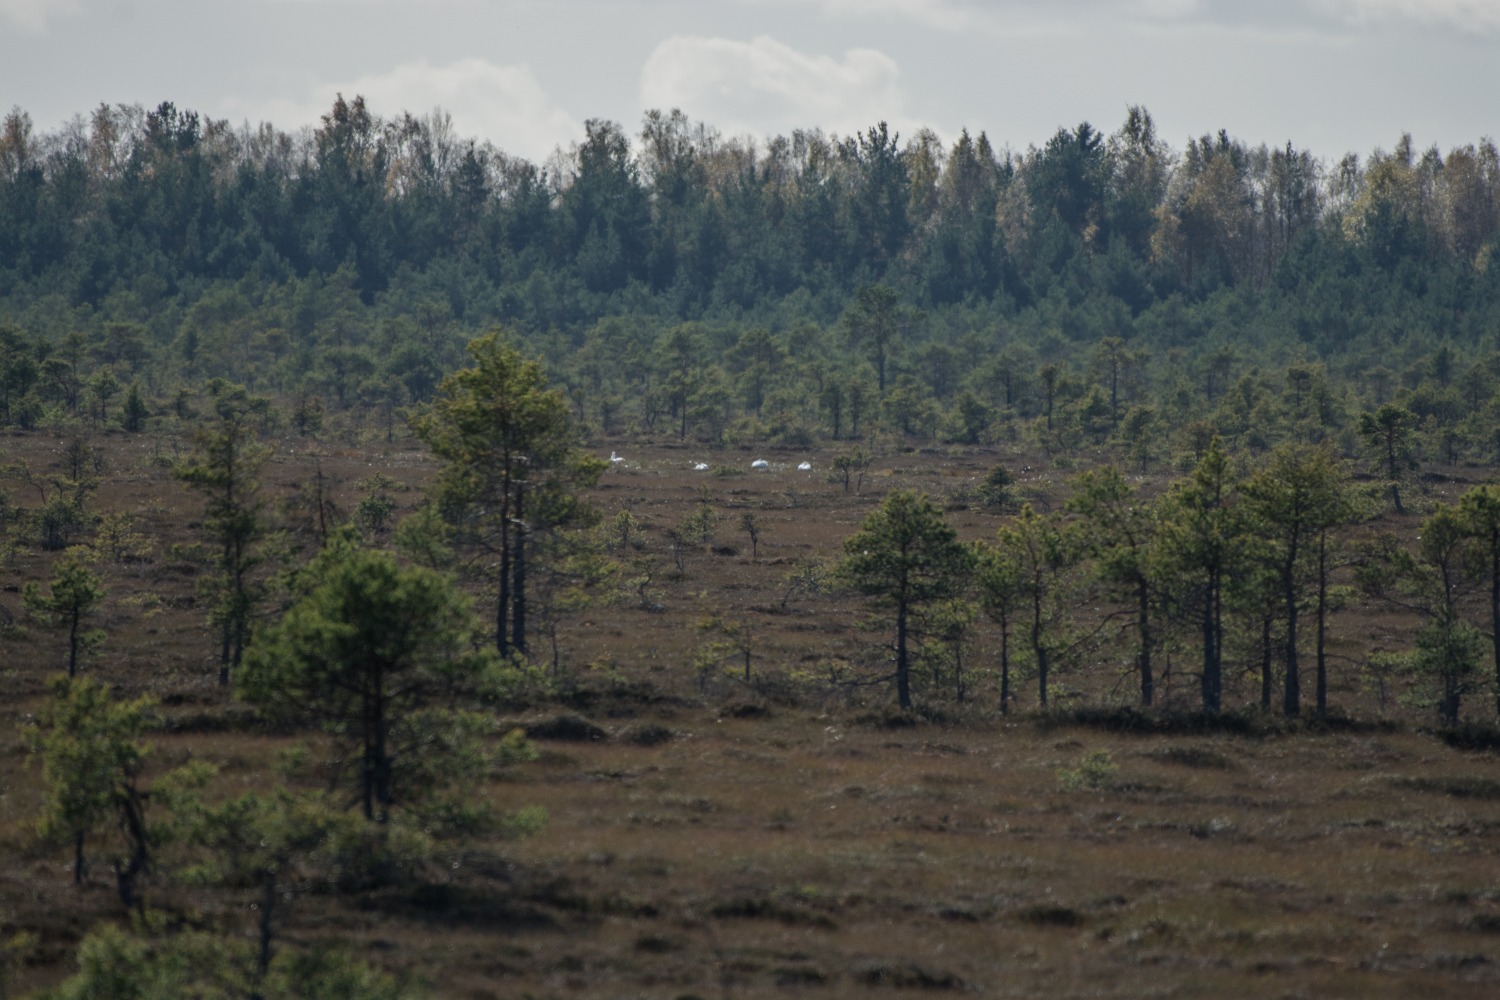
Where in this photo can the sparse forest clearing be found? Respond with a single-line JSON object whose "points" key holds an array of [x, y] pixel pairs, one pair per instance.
{"points": [[1069, 572], [708, 837]]}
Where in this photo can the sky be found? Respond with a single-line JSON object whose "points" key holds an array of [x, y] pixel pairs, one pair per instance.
{"points": [[1329, 76]]}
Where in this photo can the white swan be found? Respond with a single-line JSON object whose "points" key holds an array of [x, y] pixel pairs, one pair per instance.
{"points": [[760, 463], [700, 466], [615, 459], [804, 467]]}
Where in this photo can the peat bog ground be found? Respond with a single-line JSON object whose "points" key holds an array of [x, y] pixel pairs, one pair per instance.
{"points": [[793, 836]]}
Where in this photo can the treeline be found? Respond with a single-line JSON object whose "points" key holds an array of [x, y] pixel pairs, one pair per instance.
{"points": [[1223, 590], [709, 224], [1100, 289]]}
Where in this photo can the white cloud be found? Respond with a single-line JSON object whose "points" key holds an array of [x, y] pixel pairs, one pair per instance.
{"points": [[504, 104], [996, 15], [32, 15], [946, 14], [1467, 15], [764, 87], [1166, 9], [1029, 16]]}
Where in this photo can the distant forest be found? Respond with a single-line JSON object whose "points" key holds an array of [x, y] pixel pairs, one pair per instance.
{"points": [[1104, 289]]}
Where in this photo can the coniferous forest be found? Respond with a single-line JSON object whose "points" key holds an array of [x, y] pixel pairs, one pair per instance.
{"points": [[1113, 599], [794, 289]]}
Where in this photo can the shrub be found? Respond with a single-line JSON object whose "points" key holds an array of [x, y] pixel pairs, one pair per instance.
{"points": [[1096, 772]]}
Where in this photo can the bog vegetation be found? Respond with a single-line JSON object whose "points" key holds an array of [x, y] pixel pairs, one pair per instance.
{"points": [[1078, 469]]}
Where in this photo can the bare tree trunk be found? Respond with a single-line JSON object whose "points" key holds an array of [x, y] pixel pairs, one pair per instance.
{"points": [[1495, 614], [1039, 650], [1322, 655], [73, 641], [1004, 668], [1211, 681], [1143, 631], [518, 591], [267, 908], [1292, 695], [138, 844], [1265, 663], [903, 667], [502, 604], [382, 757]]}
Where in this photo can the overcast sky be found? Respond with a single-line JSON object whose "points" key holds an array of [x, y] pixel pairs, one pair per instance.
{"points": [[1331, 76]]}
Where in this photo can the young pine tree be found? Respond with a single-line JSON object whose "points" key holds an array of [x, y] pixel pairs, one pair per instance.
{"points": [[1293, 501], [373, 653], [1119, 532], [72, 595], [511, 465], [91, 763], [1479, 512], [1040, 555], [906, 557], [224, 466]]}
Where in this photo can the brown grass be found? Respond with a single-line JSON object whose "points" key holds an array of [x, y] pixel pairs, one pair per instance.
{"points": [[786, 839]]}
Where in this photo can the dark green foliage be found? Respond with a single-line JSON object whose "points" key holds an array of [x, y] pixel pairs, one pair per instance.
{"points": [[224, 468], [568, 728], [157, 242], [1024, 581], [92, 763], [1448, 662], [270, 845], [1292, 502], [512, 469], [997, 490], [71, 596], [1479, 518], [133, 411], [1199, 546], [1120, 534], [1452, 553], [1077, 300], [373, 653], [1388, 435], [906, 557], [118, 965]]}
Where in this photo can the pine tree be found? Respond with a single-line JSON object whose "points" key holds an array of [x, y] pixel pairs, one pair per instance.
{"points": [[1119, 531], [511, 467], [1041, 555], [1001, 593], [1198, 548], [72, 595], [91, 763], [1388, 436], [1293, 501], [1479, 511], [133, 412], [224, 466], [1432, 579], [905, 556], [372, 652], [265, 843]]}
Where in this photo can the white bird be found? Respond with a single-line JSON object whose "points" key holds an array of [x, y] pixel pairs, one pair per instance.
{"points": [[805, 467], [700, 466], [760, 463], [615, 459]]}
